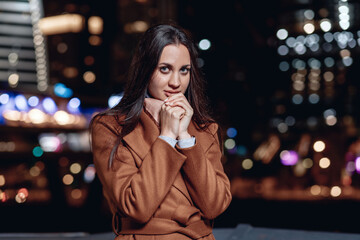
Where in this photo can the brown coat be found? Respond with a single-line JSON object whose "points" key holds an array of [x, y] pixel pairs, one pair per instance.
{"points": [[161, 192]]}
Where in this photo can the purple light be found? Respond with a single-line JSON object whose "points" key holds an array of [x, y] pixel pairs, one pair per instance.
{"points": [[89, 173], [350, 167], [289, 158], [232, 151], [357, 164]]}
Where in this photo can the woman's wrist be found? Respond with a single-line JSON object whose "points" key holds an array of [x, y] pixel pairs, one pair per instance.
{"points": [[168, 134], [184, 135]]}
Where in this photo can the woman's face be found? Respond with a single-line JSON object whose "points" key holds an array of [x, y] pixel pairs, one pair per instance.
{"points": [[172, 73]]}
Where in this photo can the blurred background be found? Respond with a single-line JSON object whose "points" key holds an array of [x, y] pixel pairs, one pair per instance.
{"points": [[282, 78]]}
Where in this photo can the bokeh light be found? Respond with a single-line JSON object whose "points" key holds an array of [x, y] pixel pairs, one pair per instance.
{"points": [[335, 191], [325, 25], [357, 164], [33, 101], [307, 163], [114, 100], [89, 77], [315, 190], [89, 173], [34, 171], [49, 105], [289, 157], [230, 143], [68, 179], [4, 98], [324, 162], [231, 132], [75, 168], [319, 146], [21, 103], [247, 164], [309, 28], [204, 44], [76, 193], [282, 34], [37, 151]]}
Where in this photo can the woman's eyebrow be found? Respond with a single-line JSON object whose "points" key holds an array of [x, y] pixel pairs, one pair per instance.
{"points": [[168, 64], [164, 63]]}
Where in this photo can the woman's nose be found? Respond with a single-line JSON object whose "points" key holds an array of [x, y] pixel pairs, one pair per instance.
{"points": [[174, 80]]}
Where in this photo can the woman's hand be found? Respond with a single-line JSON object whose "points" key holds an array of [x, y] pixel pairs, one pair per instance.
{"points": [[179, 101], [170, 120]]}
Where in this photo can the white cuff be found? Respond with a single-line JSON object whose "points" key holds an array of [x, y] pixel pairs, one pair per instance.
{"points": [[186, 143], [169, 140]]}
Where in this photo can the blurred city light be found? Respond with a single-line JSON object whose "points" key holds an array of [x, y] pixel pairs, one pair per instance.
{"points": [[64, 23], [247, 164], [95, 24], [325, 25], [289, 157], [282, 34], [33, 101], [204, 44], [319, 146], [114, 100], [21, 103], [49, 105], [324, 162], [231, 132]]}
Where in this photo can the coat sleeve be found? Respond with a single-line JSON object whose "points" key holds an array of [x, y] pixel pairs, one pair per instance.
{"points": [[136, 190], [205, 178]]}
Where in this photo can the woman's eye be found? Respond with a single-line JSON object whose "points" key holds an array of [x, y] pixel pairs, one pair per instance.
{"points": [[164, 69], [184, 70]]}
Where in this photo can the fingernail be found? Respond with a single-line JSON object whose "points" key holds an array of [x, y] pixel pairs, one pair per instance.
{"points": [[166, 99]]}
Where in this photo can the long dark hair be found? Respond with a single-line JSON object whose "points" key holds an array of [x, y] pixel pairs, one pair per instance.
{"points": [[144, 62]]}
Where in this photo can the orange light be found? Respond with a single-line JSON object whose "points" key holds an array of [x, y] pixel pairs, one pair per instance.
{"points": [[68, 179], [76, 194], [89, 60], [89, 77], [95, 40], [61, 24], [95, 25]]}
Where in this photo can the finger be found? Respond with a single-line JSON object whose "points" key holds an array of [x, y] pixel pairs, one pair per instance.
{"points": [[181, 101], [174, 97], [177, 112], [183, 104]]}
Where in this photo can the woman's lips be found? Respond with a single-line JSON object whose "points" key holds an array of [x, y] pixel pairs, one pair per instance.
{"points": [[169, 93]]}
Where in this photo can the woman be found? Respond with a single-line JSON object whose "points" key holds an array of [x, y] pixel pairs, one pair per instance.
{"points": [[157, 153]]}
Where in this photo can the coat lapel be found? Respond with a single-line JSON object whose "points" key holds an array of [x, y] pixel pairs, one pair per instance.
{"points": [[143, 135]]}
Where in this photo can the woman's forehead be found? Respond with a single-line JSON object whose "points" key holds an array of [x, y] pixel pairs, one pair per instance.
{"points": [[175, 53]]}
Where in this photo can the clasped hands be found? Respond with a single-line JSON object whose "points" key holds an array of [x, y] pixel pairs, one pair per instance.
{"points": [[175, 117]]}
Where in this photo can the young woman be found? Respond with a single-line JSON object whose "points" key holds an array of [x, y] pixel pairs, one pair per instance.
{"points": [[157, 153]]}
